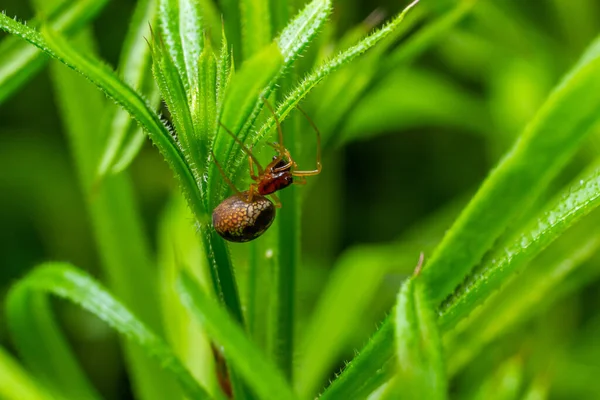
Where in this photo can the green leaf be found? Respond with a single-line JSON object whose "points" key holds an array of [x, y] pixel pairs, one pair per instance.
{"points": [[20, 61], [298, 34], [179, 249], [172, 87], [125, 141], [106, 81], [203, 104], [245, 87], [505, 383], [309, 82], [576, 202], [534, 290], [380, 364], [183, 37], [292, 41], [256, 26], [418, 345], [260, 374], [353, 285], [16, 384], [45, 350], [231, 16], [545, 146], [375, 361]]}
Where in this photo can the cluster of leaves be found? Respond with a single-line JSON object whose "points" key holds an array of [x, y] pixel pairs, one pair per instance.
{"points": [[444, 313]]}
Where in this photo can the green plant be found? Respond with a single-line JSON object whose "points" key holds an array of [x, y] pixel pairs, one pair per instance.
{"points": [[193, 325]]}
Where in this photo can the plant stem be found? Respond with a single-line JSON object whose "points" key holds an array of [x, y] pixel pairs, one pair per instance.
{"points": [[285, 281]]}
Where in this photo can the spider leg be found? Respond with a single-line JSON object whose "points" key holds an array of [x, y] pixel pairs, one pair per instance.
{"points": [[318, 169], [300, 180], [276, 200], [231, 185]]}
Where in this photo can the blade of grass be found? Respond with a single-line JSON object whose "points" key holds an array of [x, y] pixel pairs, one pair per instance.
{"points": [[293, 40], [552, 132], [46, 351], [375, 361], [183, 37], [280, 15], [203, 105], [242, 92], [135, 65], [532, 292], [15, 382], [296, 95], [356, 278], [172, 88], [260, 374], [256, 26], [421, 372], [505, 383], [21, 61], [179, 248], [283, 306], [291, 43], [230, 10], [575, 203], [544, 147]]}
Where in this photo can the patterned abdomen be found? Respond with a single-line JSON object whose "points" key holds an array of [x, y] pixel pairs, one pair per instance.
{"points": [[238, 220]]}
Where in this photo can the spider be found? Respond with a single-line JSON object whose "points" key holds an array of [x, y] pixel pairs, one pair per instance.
{"points": [[246, 215]]}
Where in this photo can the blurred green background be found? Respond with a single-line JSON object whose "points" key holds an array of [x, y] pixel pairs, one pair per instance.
{"points": [[414, 147]]}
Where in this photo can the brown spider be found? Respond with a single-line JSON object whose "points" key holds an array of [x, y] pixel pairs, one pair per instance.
{"points": [[246, 215]]}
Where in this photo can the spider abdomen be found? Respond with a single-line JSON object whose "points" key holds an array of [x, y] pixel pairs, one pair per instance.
{"points": [[238, 219]]}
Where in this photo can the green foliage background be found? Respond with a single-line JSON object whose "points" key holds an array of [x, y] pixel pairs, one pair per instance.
{"points": [[470, 134]]}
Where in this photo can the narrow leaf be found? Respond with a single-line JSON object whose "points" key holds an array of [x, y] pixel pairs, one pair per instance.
{"points": [[183, 37], [575, 203], [352, 286], [545, 146], [260, 374], [16, 384], [179, 249], [375, 361], [292, 41], [245, 87], [327, 68], [20, 61], [173, 90], [506, 383], [124, 140], [203, 105], [256, 26], [419, 348], [302, 29], [535, 290], [45, 350]]}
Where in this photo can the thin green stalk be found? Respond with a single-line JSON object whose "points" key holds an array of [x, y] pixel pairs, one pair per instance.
{"points": [[282, 341]]}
